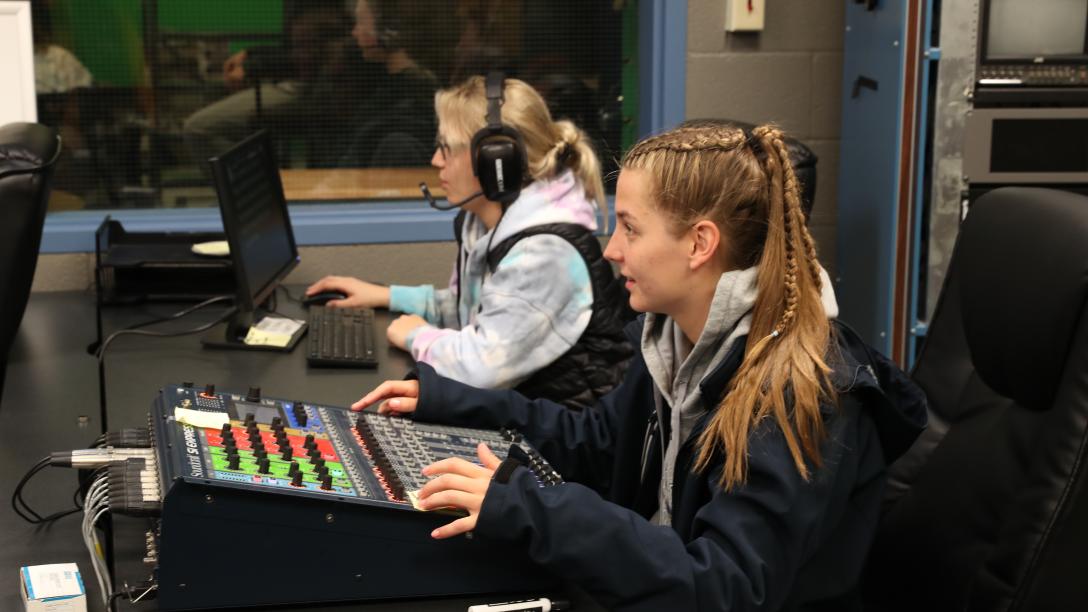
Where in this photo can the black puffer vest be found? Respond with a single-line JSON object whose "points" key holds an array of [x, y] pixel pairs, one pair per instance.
{"points": [[596, 363]]}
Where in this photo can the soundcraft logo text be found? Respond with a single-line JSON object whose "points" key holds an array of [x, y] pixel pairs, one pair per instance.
{"points": [[192, 451]]}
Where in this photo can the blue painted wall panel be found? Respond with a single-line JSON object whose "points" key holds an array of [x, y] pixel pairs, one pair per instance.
{"points": [[869, 167]]}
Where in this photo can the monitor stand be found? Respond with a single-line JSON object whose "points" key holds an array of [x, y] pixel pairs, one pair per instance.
{"points": [[231, 334]]}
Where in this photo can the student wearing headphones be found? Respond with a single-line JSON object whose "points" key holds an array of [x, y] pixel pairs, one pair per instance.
{"points": [[355, 95], [740, 464], [270, 85], [532, 304], [388, 120]]}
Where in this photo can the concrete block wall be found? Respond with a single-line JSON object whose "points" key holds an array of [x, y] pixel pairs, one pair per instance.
{"points": [[789, 74]]}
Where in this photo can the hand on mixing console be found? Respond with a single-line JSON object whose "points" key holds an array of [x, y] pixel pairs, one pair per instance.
{"points": [[460, 484], [360, 294], [400, 396]]}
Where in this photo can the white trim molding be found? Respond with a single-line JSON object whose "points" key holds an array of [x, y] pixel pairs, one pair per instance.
{"points": [[16, 64]]}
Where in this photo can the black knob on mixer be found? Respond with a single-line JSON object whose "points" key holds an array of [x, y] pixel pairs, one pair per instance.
{"points": [[254, 394], [264, 465], [299, 411], [296, 480]]}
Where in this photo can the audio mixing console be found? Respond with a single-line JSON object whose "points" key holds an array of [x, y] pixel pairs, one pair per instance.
{"points": [[266, 501]]}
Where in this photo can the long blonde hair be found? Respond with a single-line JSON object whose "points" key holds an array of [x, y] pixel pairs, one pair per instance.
{"points": [[746, 185], [550, 145]]}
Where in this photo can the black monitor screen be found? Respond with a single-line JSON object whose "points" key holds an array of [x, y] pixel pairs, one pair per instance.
{"points": [[1030, 29], [262, 244]]}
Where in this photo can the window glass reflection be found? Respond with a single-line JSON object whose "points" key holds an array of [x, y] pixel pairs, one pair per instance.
{"points": [[145, 91]]}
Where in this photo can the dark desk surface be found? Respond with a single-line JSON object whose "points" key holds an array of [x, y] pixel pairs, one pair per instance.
{"points": [[50, 403]]}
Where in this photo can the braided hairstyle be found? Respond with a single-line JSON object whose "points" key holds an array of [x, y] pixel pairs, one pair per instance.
{"points": [[746, 185]]}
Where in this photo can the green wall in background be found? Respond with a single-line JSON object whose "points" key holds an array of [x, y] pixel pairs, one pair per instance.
{"points": [[107, 35], [221, 16]]}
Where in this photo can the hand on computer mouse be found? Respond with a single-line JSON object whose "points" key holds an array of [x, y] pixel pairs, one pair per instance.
{"points": [[359, 294], [322, 298]]}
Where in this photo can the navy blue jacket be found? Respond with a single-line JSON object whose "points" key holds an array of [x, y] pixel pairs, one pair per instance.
{"points": [[775, 543]]}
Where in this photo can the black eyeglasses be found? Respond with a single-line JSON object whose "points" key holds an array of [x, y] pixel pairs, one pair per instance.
{"points": [[443, 146]]}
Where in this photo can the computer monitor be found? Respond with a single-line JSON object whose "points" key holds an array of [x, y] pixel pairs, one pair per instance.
{"points": [[1034, 31], [262, 243]]}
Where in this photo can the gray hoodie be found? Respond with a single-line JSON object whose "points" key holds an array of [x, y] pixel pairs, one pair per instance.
{"points": [[677, 367]]}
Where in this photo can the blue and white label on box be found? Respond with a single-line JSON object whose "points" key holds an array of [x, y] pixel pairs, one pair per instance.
{"points": [[57, 587]]}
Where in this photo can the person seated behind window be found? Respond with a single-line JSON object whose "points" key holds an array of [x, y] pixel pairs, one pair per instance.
{"points": [[59, 81], [385, 119], [354, 101], [545, 319], [56, 69], [742, 458], [314, 29]]}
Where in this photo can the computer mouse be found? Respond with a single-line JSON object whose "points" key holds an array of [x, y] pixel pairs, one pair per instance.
{"points": [[320, 298]]}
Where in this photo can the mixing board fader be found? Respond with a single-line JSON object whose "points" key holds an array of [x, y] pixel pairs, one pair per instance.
{"points": [[318, 482]]}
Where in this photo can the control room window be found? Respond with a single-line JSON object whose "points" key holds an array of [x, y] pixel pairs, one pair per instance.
{"points": [[144, 91]]}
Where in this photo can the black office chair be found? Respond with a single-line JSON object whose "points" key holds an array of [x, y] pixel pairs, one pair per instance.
{"points": [[28, 152], [989, 508], [802, 158]]}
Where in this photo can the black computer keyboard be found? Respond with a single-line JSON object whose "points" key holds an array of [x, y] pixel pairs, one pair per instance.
{"points": [[342, 338]]}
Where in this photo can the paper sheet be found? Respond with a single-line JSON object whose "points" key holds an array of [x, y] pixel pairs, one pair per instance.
{"points": [[215, 248], [273, 331], [201, 418]]}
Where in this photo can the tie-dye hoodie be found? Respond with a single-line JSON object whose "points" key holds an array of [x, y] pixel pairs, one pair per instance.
{"points": [[524, 316]]}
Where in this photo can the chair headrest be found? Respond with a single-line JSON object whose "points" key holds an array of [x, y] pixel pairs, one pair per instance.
{"points": [[801, 156], [1022, 261], [27, 146]]}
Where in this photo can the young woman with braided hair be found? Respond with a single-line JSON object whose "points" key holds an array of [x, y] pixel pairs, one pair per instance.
{"points": [[740, 463]]}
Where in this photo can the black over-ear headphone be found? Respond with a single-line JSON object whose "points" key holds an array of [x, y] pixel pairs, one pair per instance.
{"points": [[498, 151]]}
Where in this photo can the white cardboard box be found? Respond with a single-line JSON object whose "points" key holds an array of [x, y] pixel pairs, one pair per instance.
{"points": [[52, 588]]}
